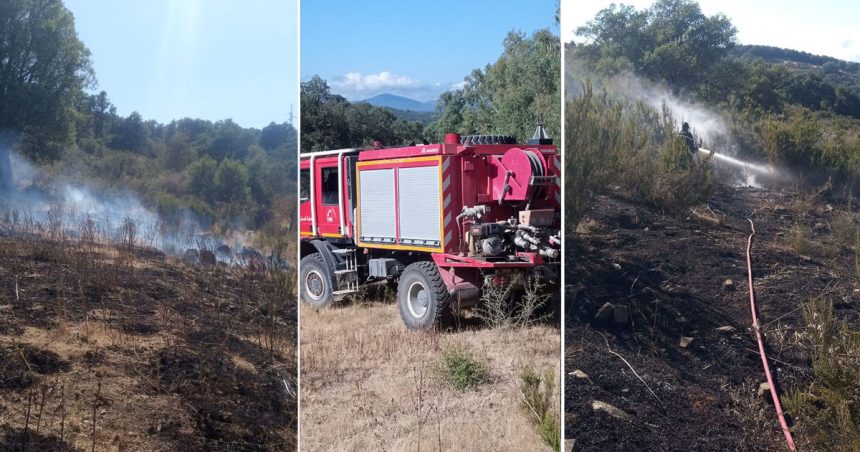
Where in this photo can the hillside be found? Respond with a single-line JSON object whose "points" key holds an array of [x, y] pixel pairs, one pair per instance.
{"points": [[833, 70], [396, 102], [779, 54], [668, 293], [117, 348], [424, 117]]}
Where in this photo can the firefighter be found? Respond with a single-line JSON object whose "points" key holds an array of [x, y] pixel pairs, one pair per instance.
{"points": [[687, 136]]}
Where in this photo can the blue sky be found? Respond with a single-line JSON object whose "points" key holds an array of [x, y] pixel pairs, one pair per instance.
{"points": [[416, 49], [820, 27], [169, 59]]}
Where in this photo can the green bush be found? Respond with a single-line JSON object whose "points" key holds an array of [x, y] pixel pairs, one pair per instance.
{"points": [[538, 402], [795, 142], [462, 369], [828, 412]]}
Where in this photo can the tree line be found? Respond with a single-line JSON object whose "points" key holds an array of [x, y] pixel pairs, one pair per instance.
{"points": [[507, 97], [216, 170]]}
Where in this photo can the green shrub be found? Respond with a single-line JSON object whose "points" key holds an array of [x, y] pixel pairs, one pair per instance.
{"points": [[462, 369], [795, 142], [538, 402], [828, 412], [799, 240], [550, 432]]}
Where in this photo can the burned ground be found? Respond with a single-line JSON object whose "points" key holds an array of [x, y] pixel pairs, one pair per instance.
{"points": [[641, 281], [159, 354]]}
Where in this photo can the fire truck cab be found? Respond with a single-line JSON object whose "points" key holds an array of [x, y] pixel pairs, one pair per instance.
{"points": [[439, 220]]}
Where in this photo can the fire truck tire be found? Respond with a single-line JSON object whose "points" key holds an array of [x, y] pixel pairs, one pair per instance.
{"points": [[422, 297], [316, 281]]}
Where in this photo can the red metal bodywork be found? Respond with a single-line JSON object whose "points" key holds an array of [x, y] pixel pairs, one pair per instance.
{"points": [[470, 175]]}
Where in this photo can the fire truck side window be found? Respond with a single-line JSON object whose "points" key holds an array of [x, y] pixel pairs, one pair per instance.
{"points": [[304, 185], [329, 186]]}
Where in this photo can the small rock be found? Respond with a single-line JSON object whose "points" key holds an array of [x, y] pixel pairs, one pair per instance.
{"points": [[818, 227], [579, 374], [647, 229], [617, 413], [779, 209], [764, 390], [856, 294], [726, 329], [685, 341], [728, 285], [616, 265], [674, 289], [605, 312]]}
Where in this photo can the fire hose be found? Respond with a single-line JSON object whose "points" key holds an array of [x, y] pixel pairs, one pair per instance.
{"points": [[764, 362]]}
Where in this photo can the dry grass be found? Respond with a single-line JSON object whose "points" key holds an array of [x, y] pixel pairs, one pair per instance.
{"points": [[369, 384]]}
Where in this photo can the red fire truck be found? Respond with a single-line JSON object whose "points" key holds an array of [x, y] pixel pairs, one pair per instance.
{"points": [[440, 220]]}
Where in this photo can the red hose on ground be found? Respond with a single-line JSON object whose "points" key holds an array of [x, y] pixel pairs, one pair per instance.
{"points": [[773, 393]]}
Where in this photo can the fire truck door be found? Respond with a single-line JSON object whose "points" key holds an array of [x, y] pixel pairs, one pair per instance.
{"points": [[327, 207]]}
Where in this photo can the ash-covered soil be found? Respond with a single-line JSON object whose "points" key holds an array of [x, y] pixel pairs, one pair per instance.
{"points": [[127, 349], [662, 278]]}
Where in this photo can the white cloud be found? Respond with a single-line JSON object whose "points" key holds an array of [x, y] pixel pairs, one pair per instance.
{"points": [[357, 81], [459, 85], [355, 85]]}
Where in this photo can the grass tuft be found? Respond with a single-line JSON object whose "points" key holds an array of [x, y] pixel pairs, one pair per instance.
{"points": [[462, 368], [538, 402]]}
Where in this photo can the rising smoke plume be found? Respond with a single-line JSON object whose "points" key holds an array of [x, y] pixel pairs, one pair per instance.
{"points": [[710, 126], [31, 199]]}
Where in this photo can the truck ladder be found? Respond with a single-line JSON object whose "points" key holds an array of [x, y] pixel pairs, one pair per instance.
{"points": [[347, 278]]}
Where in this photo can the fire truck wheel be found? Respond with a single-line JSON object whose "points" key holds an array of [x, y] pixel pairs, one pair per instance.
{"points": [[423, 299], [316, 281]]}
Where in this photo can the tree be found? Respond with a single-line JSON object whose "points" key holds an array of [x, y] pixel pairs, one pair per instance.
{"points": [[202, 177], [509, 96], [44, 68], [130, 134], [329, 121], [672, 41], [229, 140], [231, 182], [274, 135]]}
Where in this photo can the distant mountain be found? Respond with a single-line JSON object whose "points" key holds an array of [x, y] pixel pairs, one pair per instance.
{"points": [[395, 102]]}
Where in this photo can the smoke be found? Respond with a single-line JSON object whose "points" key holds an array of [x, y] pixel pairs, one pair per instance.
{"points": [[33, 201], [707, 124], [5, 163], [710, 128]]}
